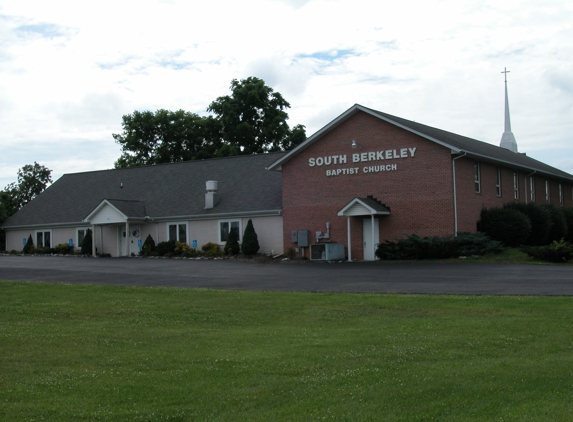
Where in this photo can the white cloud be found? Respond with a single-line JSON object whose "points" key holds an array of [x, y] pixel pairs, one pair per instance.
{"points": [[70, 70]]}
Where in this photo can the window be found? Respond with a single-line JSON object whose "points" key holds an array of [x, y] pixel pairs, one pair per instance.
{"points": [[560, 194], [43, 239], [477, 177], [80, 234], [516, 185], [177, 232], [498, 182], [532, 188], [225, 227], [547, 195]]}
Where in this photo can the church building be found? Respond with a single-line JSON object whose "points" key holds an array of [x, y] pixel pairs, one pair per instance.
{"points": [[365, 177]]}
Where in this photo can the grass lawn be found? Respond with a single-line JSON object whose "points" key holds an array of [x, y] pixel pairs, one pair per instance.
{"points": [[100, 353]]}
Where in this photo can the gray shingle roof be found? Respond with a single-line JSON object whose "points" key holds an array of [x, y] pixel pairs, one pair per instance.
{"points": [[160, 191], [457, 143]]}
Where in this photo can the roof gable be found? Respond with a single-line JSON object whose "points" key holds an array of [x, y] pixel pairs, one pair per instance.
{"points": [[457, 144]]}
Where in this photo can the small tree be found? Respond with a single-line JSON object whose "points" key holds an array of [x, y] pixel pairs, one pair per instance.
{"points": [[148, 245], [29, 245], [232, 246], [87, 243], [250, 244]]}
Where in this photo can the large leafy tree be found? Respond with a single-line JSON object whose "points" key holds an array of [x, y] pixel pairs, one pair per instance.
{"points": [[33, 179], [164, 137], [253, 119]]}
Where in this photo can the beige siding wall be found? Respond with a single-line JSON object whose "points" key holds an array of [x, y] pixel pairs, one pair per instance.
{"points": [[14, 239], [269, 233]]}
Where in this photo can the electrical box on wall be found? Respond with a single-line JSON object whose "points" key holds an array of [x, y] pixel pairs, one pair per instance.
{"points": [[294, 236], [303, 238]]}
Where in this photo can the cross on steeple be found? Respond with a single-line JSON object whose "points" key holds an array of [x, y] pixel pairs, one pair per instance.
{"points": [[506, 72], [507, 139]]}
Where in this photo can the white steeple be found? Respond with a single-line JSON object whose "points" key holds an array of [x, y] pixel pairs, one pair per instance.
{"points": [[507, 139]]}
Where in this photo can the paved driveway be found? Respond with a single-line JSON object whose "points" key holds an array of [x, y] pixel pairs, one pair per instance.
{"points": [[457, 278]]}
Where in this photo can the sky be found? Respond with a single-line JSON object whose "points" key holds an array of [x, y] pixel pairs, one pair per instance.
{"points": [[70, 70]]}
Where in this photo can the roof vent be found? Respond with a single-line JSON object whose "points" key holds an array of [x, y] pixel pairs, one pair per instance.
{"points": [[211, 197]]}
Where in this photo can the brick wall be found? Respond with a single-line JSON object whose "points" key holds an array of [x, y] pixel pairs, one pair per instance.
{"points": [[418, 189]]}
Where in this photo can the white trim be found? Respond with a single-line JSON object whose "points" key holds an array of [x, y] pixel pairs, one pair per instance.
{"points": [[220, 241], [43, 231], [177, 224]]}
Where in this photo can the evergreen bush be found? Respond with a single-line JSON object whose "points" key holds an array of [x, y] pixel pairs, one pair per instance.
{"points": [[568, 214], [29, 246], [164, 248], [507, 225], [250, 244], [232, 245], [539, 219], [148, 246], [558, 226], [87, 243], [477, 244], [415, 247], [557, 251]]}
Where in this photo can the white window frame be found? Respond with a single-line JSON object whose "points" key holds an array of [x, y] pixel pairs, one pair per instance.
{"points": [[43, 238], [560, 194], [477, 177], [498, 182], [515, 185], [177, 224], [547, 192], [229, 221], [532, 188]]}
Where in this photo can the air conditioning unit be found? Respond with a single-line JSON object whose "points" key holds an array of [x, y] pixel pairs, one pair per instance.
{"points": [[326, 251]]}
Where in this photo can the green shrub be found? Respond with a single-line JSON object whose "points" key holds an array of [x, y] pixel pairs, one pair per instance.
{"points": [[557, 251], [558, 226], [86, 246], [250, 245], [164, 248], [211, 249], [415, 247], [568, 214], [63, 249], [507, 225], [539, 219], [148, 246], [29, 246], [232, 245], [476, 244]]}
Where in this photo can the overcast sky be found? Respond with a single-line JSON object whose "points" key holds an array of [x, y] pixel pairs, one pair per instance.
{"points": [[69, 70]]}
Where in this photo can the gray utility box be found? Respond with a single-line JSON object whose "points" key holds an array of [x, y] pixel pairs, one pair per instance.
{"points": [[303, 238], [326, 251]]}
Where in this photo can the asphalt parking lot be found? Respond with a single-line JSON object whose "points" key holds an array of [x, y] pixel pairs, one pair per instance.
{"points": [[422, 278]]}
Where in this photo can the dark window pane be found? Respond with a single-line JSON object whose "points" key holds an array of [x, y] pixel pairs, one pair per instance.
{"points": [[183, 233], [39, 239], [235, 226], [173, 232], [47, 243], [224, 231]]}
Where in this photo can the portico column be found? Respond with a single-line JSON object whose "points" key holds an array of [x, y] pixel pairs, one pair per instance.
{"points": [[93, 241], [373, 249], [127, 238], [349, 240]]}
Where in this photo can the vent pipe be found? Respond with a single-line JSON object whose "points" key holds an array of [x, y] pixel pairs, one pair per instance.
{"points": [[211, 196]]}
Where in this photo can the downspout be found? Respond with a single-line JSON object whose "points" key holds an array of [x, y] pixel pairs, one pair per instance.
{"points": [[455, 194], [525, 183]]}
